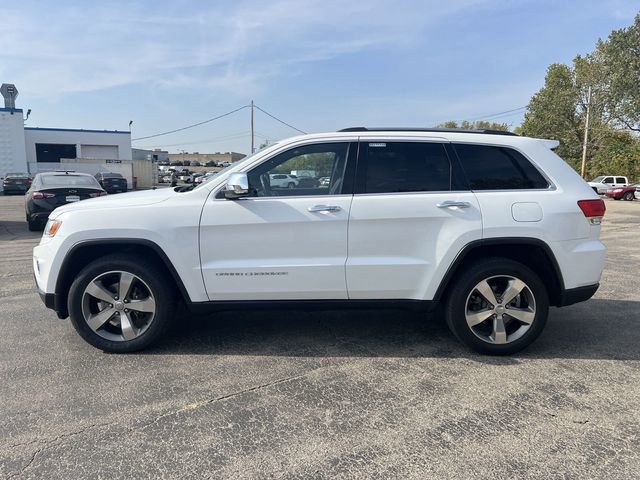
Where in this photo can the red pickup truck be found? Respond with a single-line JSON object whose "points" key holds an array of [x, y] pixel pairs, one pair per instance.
{"points": [[624, 193]]}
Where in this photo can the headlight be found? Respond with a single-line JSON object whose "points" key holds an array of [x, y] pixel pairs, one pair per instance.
{"points": [[52, 228]]}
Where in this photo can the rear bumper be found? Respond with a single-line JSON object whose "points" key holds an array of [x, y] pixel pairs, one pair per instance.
{"points": [[577, 295]]}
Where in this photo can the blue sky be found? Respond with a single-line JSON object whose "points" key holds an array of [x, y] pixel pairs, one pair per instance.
{"points": [[319, 65]]}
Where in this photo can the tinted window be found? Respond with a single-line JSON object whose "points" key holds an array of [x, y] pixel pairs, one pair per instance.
{"points": [[273, 177], [55, 181], [608, 180], [403, 167], [620, 180], [498, 168]]}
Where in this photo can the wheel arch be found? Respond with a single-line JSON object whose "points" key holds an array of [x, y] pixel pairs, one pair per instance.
{"points": [[84, 252], [531, 252]]}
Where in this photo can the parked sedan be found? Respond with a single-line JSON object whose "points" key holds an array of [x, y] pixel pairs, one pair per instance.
{"points": [[112, 182], [624, 193], [52, 189], [16, 183]]}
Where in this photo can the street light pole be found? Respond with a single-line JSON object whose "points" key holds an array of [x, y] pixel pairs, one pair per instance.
{"points": [[586, 134], [252, 136]]}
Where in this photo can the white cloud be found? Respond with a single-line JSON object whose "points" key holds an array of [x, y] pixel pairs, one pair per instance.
{"points": [[51, 51]]}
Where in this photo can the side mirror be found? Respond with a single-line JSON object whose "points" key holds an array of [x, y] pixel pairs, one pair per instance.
{"points": [[237, 186]]}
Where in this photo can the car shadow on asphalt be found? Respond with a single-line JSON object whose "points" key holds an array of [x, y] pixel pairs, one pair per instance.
{"points": [[17, 230], [597, 329]]}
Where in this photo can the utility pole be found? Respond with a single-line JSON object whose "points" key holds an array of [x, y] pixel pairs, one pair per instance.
{"points": [[252, 137], [586, 134]]}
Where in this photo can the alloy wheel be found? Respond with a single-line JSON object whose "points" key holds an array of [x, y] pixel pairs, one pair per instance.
{"points": [[500, 309], [118, 306]]}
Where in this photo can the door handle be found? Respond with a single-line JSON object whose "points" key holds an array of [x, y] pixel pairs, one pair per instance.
{"points": [[451, 203], [324, 208]]}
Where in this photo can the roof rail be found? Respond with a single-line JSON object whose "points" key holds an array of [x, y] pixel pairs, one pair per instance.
{"points": [[485, 131]]}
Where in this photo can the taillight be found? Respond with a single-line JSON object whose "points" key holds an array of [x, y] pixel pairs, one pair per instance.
{"points": [[42, 195], [97, 194], [593, 210]]}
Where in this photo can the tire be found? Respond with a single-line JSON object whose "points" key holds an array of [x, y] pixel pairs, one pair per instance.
{"points": [[628, 196], [34, 225], [291, 185], [147, 328], [517, 335]]}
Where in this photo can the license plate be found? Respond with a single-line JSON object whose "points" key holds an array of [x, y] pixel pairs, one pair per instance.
{"points": [[73, 198]]}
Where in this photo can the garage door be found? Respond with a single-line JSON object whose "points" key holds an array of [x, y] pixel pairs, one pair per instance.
{"points": [[108, 152]]}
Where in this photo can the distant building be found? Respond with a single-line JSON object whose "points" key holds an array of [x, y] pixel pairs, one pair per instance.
{"points": [[203, 158], [155, 155], [36, 149]]}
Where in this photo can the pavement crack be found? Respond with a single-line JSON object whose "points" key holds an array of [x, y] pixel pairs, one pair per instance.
{"points": [[48, 444], [196, 405], [51, 442], [28, 465]]}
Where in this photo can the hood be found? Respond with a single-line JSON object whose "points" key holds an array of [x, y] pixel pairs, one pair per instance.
{"points": [[119, 200]]}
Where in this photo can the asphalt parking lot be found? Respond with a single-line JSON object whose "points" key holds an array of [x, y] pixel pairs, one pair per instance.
{"points": [[344, 394]]}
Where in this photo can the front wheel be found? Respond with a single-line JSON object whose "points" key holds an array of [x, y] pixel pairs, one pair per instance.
{"points": [[628, 196], [121, 303], [498, 307]]}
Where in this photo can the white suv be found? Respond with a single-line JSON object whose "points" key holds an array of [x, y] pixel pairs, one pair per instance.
{"points": [[281, 180], [494, 227]]}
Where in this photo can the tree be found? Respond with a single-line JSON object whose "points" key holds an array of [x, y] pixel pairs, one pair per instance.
{"points": [[480, 124], [612, 73], [620, 57], [553, 113]]}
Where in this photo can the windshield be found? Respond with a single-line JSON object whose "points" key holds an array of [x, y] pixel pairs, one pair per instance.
{"points": [[598, 179], [17, 175]]}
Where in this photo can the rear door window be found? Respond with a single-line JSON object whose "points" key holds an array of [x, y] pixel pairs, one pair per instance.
{"points": [[490, 167], [391, 167], [620, 180]]}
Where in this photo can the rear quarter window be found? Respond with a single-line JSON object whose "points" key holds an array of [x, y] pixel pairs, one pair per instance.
{"points": [[490, 167]]}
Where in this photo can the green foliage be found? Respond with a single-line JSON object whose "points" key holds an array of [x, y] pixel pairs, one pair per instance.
{"points": [[480, 124], [558, 109], [321, 163]]}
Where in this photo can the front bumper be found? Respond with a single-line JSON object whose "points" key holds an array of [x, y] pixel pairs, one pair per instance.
{"points": [[50, 300]]}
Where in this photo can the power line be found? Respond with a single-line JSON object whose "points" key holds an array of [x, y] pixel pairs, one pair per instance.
{"points": [[281, 121], [484, 117], [193, 125], [203, 141]]}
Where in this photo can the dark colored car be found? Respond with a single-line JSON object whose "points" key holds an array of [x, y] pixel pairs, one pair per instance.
{"points": [[624, 193], [112, 182], [308, 182], [53, 189], [16, 183]]}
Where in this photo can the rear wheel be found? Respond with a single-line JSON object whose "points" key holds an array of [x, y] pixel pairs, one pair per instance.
{"points": [[34, 225], [497, 307], [628, 196], [120, 303], [291, 185]]}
